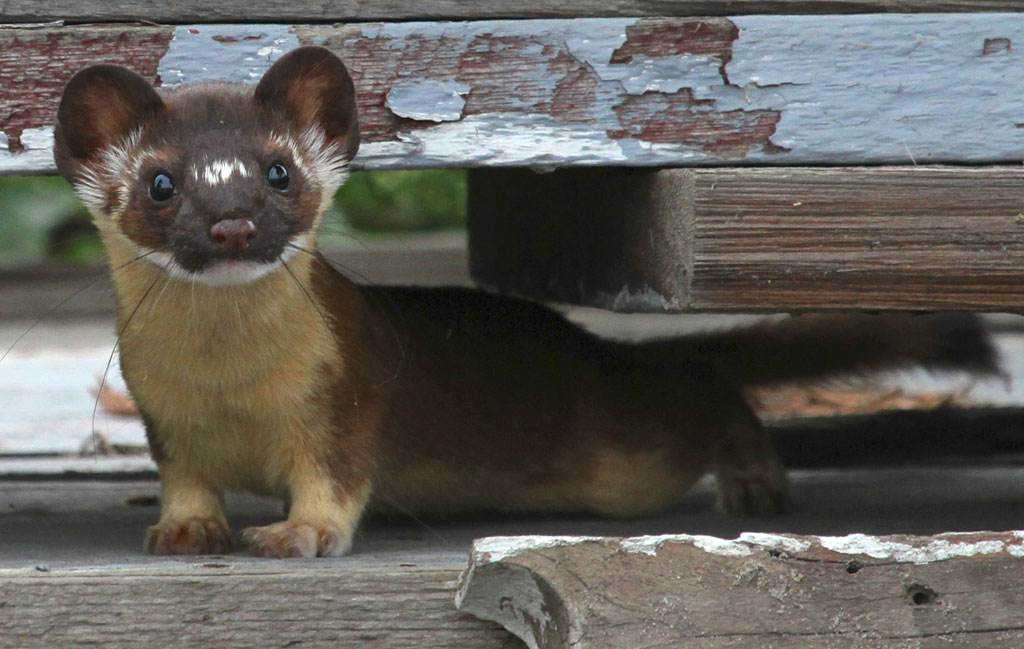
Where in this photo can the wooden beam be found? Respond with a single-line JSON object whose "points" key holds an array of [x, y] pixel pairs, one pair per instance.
{"points": [[200, 11], [745, 239], [760, 590], [666, 91], [203, 601]]}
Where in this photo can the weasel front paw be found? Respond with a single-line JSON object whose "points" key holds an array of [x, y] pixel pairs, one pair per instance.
{"points": [[754, 495], [292, 539], [190, 536]]}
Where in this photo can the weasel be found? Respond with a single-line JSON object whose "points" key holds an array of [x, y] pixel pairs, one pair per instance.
{"points": [[257, 367]]}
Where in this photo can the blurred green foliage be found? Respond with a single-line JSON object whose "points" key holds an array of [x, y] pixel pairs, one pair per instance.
{"points": [[386, 201], [41, 218], [32, 209]]}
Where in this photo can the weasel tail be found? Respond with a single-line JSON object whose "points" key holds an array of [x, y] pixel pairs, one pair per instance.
{"points": [[257, 367], [813, 347]]}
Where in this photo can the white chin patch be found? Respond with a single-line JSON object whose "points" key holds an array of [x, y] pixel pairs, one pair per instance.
{"points": [[225, 273]]}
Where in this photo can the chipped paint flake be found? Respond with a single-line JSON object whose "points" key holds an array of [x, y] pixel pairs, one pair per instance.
{"points": [[616, 52], [36, 150], [430, 101], [1016, 549]]}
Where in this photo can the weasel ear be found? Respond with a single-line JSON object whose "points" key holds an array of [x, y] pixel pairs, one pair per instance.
{"points": [[310, 86], [101, 106]]}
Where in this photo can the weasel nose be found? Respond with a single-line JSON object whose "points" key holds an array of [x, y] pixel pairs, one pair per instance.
{"points": [[233, 235]]}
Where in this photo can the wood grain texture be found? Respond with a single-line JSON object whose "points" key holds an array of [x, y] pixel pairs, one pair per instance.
{"points": [[758, 591], [217, 602], [36, 63], [659, 91], [906, 238], [746, 239], [205, 11]]}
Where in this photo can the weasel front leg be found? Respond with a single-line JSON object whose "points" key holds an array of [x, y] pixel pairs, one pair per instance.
{"points": [[322, 518], [192, 519]]}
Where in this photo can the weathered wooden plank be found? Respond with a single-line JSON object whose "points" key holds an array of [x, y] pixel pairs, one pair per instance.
{"points": [[877, 88], [218, 600], [201, 11], [907, 238], [853, 592], [745, 239]]}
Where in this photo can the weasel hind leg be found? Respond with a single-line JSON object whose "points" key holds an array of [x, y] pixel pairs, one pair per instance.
{"points": [[751, 479]]}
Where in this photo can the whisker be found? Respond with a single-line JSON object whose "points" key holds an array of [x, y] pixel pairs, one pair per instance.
{"points": [[73, 295], [338, 266], [308, 296], [371, 297], [408, 512], [110, 359]]}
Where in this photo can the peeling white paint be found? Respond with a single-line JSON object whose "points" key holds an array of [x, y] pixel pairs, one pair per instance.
{"points": [[496, 548], [429, 101], [592, 42], [36, 156], [1016, 549], [867, 88], [849, 89], [935, 550], [211, 53], [713, 545], [495, 139], [775, 541]]}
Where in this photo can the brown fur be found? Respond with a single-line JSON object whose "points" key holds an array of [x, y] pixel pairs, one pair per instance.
{"points": [[341, 398]]}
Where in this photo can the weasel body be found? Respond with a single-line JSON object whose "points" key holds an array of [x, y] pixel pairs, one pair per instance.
{"points": [[257, 367]]}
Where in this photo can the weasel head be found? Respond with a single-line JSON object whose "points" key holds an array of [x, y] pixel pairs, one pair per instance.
{"points": [[220, 184]]}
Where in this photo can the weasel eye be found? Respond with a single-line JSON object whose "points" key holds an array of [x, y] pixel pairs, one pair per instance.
{"points": [[277, 176], [161, 188]]}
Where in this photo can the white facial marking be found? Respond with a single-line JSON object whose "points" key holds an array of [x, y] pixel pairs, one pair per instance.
{"points": [[229, 272], [221, 171], [317, 160]]}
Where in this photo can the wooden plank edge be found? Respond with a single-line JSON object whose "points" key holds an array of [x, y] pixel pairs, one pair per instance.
{"points": [[192, 601], [627, 91], [518, 581], [753, 240], [196, 11]]}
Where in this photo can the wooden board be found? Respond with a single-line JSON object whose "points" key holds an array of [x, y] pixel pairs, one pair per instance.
{"points": [[72, 569], [199, 11], [203, 602], [745, 239], [757, 591], [758, 89]]}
